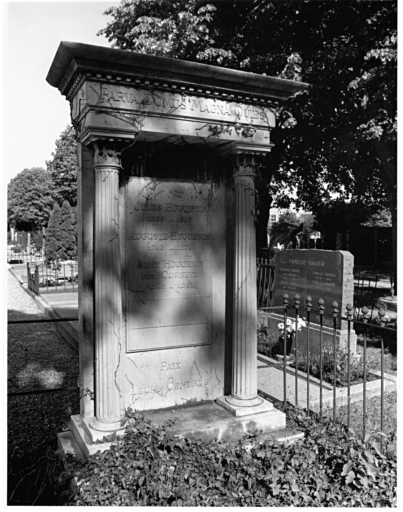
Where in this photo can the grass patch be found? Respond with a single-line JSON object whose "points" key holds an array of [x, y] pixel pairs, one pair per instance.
{"points": [[38, 359]]}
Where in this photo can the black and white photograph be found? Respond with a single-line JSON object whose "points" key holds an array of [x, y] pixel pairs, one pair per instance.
{"points": [[202, 246]]}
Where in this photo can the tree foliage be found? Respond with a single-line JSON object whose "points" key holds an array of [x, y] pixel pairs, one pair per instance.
{"points": [[160, 27], [337, 137], [63, 167], [53, 235], [290, 217], [381, 219], [30, 199], [60, 241], [68, 246]]}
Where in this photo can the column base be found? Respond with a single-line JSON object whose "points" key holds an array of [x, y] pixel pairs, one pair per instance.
{"points": [[80, 441], [240, 408], [97, 431]]}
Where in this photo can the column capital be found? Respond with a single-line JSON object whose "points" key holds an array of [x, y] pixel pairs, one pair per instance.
{"points": [[107, 147], [106, 153], [245, 157]]}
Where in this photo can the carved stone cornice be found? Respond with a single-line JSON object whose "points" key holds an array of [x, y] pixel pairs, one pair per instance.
{"points": [[241, 148], [170, 86], [120, 66], [90, 136]]}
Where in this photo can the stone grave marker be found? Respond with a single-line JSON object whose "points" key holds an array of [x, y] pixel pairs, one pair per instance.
{"points": [[167, 154], [321, 274]]}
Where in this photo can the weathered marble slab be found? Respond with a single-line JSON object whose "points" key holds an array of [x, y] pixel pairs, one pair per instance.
{"points": [[168, 264]]}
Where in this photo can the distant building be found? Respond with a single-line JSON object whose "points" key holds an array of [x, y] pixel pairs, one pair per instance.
{"points": [[275, 213]]}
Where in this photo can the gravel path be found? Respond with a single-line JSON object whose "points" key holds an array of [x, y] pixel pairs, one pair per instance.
{"points": [[19, 303]]}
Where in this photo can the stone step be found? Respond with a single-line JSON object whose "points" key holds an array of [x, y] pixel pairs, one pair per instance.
{"points": [[211, 421], [284, 435], [207, 422], [68, 445]]}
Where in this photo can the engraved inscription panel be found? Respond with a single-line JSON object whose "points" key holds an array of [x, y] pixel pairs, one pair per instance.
{"points": [[168, 264]]}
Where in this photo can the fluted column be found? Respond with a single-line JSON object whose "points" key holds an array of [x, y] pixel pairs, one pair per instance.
{"points": [[244, 370], [244, 399], [109, 410]]}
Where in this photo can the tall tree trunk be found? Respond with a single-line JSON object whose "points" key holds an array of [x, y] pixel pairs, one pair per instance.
{"points": [[393, 207]]}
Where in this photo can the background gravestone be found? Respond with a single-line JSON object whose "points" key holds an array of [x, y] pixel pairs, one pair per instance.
{"points": [[322, 274]]}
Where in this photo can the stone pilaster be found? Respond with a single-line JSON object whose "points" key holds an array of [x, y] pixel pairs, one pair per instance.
{"points": [[109, 408]]}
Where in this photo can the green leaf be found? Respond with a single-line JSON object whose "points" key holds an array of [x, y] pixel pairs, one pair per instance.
{"points": [[295, 487], [350, 477], [347, 468], [377, 447]]}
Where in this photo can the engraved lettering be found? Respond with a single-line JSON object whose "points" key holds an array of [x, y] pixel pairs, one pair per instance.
{"points": [[148, 264], [168, 248], [170, 366], [179, 275], [316, 263], [179, 263]]}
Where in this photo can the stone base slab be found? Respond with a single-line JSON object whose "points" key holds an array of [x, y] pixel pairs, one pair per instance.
{"points": [[211, 421], [206, 422]]}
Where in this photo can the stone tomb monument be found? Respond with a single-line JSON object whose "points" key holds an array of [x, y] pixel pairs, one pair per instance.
{"points": [[167, 152], [322, 274]]}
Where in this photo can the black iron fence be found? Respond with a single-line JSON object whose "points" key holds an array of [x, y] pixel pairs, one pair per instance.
{"points": [[295, 314], [265, 282], [62, 277]]}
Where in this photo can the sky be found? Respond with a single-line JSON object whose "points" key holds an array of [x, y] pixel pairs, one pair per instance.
{"points": [[34, 112]]}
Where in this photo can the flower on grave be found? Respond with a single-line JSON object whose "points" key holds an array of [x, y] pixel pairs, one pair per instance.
{"points": [[301, 323], [292, 325]]}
